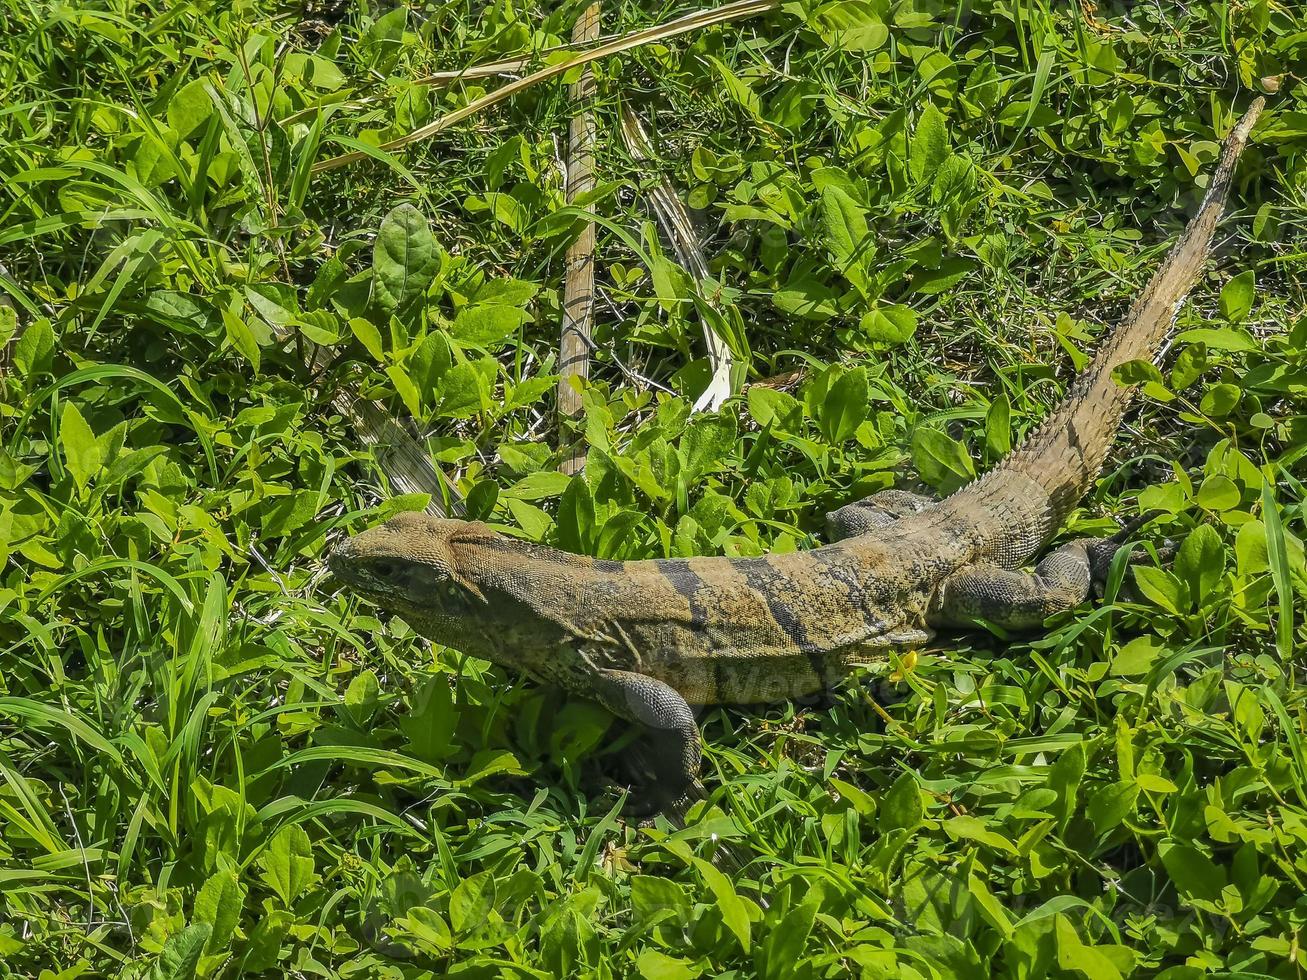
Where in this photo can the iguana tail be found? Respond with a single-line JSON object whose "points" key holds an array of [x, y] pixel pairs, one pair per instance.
{"points": [[1063, 456]]}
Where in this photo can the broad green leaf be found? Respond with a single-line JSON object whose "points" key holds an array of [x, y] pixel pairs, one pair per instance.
{"points": [[706, 445], [576, 517], [998, 428], [891, 324], [942, 461], [1189, 366], [845, 406], [530, 391], [219, 903], [672, 284], [737, 88], [929, 146], [784, 946], [1195, 874], [844, 228], [1237, 296], [968, 827], [429, 723], [1250, 549], [242, 336], [1200, 562], [769, 406], [990, 907], [1151, 782], [939, 280], [33, 348], [1121, 113], [655, 965], [429, 926], [8, 325], [850, 25], [538, 486], [487, 326], [289, 513], [180, 955], [506, 292], [463, 392], [312, 70], [189, 107], [428, 364], [1136, 372], [490, 762], [1137, 657], [728, 902], [471, 902], [1169, 497], [900, 807], [82, 454], [407, 390], [1162, 588], [381, 43], [481, 500], [287, 863], [405, 258], [508, 211], [805, 297], [1109, 805], [653, 898], [362, 696], [1064, 779], [1074, 955], [1220, 400], [266, 938], [320, 326], [1218, 493], [1230, 339]]}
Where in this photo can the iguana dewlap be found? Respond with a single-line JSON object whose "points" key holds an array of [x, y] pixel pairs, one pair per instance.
{"points": [[650, 638]]}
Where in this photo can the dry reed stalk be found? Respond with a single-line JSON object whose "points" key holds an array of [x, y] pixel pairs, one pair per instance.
{"points": [[579, 278]]}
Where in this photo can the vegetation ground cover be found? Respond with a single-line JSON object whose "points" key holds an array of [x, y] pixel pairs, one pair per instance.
{"points": [[919, 218]]}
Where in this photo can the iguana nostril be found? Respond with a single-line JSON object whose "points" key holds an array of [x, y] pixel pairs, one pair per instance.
{"points": [[338, 558]]}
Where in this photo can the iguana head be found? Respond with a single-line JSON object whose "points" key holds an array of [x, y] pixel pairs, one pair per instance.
{"points": [[459, 583], [412, 565]]}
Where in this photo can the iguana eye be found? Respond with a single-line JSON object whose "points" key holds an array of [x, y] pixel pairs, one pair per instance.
{"points": [[385, 569]]}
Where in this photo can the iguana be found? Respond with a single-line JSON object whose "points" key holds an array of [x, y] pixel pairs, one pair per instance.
{"points": [[648, 639]]}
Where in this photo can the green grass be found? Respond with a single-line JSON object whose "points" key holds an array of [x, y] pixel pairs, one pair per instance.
{"points": [[214, 766]]}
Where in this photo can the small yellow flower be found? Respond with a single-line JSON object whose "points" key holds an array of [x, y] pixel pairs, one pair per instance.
{"points": [[907, 663]]}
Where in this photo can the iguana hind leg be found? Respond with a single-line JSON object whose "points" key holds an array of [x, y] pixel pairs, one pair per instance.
{"points": [[881, 508], [675, 751], [1017, 600]]}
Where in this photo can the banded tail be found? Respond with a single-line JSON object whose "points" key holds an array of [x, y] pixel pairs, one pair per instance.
{"points": [[1064, 455]]}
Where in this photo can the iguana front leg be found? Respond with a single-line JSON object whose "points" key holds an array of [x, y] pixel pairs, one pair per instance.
{"points": [[675, 750], [1018, 600], [881, 508]]}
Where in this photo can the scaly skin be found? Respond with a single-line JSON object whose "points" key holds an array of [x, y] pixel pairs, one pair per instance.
{"points": [[649, 638]]}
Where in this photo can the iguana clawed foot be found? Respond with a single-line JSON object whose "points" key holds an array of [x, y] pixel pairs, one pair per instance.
{"points": [[880, 509], [1023, 600], [671, 751], [1019, 600]]}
